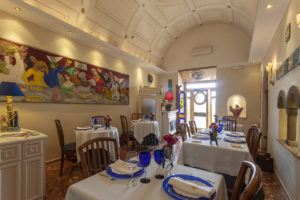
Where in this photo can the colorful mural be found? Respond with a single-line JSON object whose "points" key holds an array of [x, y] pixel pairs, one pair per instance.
{"points": [[47, 77]]}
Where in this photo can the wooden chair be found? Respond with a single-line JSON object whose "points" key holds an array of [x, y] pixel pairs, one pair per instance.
{"points": [[68, 151], [193, 127], [99, 118], [229, 123], [184, 131], [126, 134], [136, 116], [252, 187], [253, 138], [95, 154]]}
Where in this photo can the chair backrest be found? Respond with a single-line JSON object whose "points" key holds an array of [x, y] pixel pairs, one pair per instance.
{"points": [[100, 119], [252, 186], [184, 131], [193, 127], [253, 138], [60, 134], [124, 124], [136, 116], [95, 154], [229, 123]]}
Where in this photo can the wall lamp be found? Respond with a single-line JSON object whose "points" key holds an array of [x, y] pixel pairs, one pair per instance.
{"points": [[298, 19], [269, 69]]}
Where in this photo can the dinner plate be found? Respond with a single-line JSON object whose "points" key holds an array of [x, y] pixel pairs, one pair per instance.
{"points": [[113, 174], [84, 128], [235, 135], [170, 191], [236, 142]]}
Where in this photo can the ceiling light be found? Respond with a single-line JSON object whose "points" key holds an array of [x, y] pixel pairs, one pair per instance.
{"points": [[17, 9], [269, 6], [298, 19], [70, 32]]}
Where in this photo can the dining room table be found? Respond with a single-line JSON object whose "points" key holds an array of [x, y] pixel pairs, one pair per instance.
{"points": [[84, 134], [103, 187], [142, 129], [225, 158]]}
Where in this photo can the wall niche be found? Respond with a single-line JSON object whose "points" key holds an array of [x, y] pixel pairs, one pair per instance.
{"points": [[282, 123]]}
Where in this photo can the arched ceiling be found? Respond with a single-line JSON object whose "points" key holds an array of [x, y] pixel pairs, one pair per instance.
{"points": [[147, 28]]}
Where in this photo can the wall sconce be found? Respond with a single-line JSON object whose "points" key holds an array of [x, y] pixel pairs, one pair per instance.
{"points": [[298, 19], [269, 69]]}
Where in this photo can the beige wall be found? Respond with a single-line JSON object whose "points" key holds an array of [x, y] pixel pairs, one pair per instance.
{"points": [[230, 46], [40, 116], [245, 82], [287, 166]]}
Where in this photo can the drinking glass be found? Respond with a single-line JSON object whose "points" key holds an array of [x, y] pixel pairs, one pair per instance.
{"points": [[159, 158], [145, 159], [131, 165], [220, 129]]}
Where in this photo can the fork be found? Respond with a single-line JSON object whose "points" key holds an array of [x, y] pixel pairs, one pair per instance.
{"points": [[107, 176]]}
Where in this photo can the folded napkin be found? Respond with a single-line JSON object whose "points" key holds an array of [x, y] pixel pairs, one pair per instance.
{"points": [[201, 135], [83, 127], [121, 167], [190, 188], [237, 146], [196, 141], [236, 133], [235, 139]]}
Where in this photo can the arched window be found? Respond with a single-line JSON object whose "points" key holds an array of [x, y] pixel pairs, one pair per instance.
{"points": [[292, 105], [282, 116], [237, 102]]}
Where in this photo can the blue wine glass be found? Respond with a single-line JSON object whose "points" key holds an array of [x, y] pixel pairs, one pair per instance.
{"points": [[159, 158], [145, 159], [220, 129]]}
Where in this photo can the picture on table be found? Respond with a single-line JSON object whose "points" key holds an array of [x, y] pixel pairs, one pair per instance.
{"points": [[47, 77]]}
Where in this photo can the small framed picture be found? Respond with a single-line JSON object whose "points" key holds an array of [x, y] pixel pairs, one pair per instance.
{"points": [[150, 78]]}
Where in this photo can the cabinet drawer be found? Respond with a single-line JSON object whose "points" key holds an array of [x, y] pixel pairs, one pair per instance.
{"points": [[9, 153], [33, 148]]}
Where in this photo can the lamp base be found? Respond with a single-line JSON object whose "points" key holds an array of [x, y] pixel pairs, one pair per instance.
{"points": [[168, 107], [8, 129]]}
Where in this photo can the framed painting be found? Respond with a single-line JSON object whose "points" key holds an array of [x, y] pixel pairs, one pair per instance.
{"points": [[47, 77]]}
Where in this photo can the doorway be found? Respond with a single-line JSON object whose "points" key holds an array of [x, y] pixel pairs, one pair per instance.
{"points": [[200, 102]]}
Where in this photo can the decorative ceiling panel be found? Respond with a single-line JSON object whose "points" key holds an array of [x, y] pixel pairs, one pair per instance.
{"points": [[147, 28]]}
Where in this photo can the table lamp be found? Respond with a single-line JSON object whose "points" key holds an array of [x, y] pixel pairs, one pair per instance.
{"points": [[168, 100], [9, 90]]}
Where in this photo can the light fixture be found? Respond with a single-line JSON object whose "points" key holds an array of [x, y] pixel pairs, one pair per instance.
{"points": [[269, 6], [17, 9], [269, 69], [298, 19]]}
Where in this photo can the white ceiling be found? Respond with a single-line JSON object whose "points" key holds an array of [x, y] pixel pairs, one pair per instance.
{"points": [[146, 28]]}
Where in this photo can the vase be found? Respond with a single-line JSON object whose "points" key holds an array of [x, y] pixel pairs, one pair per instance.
{"points": [[169, 154], [213, 136], [107, 125]]}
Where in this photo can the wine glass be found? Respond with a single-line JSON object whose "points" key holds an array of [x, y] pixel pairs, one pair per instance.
{"points": [[145, 159], [131, 165], [159, 158]]}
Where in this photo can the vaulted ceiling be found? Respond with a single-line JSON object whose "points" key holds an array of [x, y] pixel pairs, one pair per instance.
{"points": [[147, 28]]}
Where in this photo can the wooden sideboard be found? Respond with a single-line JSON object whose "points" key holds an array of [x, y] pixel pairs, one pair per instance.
{"points": [[22, 165]]}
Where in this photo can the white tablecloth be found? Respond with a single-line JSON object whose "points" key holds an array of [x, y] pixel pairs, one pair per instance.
{"points": [[84, 135], [222, 158], [143, 128], [99, 187]]}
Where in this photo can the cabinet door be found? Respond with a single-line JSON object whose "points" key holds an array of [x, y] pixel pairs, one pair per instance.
{"points": [[10, 181], [32, 178]]}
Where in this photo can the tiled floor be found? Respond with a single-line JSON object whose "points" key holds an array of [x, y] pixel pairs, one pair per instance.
{"points": [[56, 186]]}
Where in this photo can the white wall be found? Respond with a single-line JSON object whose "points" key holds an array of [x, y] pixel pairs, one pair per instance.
{"points": [[287, 165], [230, 46], [40, 116], [245, 82]]}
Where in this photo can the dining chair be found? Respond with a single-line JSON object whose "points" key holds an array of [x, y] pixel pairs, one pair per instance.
{"points": [[229, 123], [253, 138], [95, 154], [255, 181], [100, 119], [126, 134], [67, 151], [184, 131], [136, 116], [193, 127]]}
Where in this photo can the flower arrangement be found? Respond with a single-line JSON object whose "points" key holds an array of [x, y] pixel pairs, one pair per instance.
{"points": [[170, 139], [107, 118], [214, 126], [152, 116]]}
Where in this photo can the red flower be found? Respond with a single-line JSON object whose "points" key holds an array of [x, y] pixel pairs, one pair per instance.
{"points": [[108, 118], [214, 126], [170, 139]]}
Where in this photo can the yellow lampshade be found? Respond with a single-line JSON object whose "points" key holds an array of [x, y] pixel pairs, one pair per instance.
{"points": [[298, 19]]}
